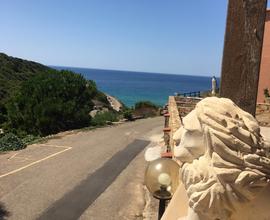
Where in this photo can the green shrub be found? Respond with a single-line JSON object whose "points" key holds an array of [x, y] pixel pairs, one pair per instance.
{"points": [[266, 93], [29, 139], [103, 118], [51, 102], [145, 104], [128, 114], [11, 142], [146, 109], [102, 98], [3, 114]]}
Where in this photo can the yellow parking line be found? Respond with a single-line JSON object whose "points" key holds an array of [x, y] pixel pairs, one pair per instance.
{"points": [[38, 161], [50, 145], [14, 155]]}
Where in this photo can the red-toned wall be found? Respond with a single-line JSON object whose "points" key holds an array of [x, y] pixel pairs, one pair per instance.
{"points": [[264, 79]]}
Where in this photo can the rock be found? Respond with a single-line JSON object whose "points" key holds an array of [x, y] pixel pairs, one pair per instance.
{"points": [[115, 104], [93, 113]]}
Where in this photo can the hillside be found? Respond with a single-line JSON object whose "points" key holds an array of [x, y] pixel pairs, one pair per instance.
{"points": [[13, 71], [35, 97], [36, 101]]}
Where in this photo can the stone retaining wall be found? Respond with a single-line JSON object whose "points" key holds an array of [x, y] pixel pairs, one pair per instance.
{"points": [[174, 121], [178, 107]]}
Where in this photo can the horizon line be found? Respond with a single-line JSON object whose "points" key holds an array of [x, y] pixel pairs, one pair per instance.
{"points": [[134, 71]]}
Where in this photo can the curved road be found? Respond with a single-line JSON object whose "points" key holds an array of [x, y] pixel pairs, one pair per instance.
{"points": [[96, 174]]}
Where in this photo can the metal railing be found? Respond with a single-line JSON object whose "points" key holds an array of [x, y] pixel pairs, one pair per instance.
{"points": [[190, 94]]}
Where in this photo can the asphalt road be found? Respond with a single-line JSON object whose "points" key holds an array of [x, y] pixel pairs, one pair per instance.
{"points": [[94, 174]]}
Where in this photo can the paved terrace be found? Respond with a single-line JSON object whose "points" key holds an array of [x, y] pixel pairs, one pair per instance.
{"points": [[93, 175]]}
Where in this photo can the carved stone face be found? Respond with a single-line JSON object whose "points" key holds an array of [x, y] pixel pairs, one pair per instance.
{"points": [[189, 139], [225, 159]]}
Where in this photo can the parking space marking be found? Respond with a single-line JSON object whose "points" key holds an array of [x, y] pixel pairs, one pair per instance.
{"points": [[66, 148], [14, 155]]}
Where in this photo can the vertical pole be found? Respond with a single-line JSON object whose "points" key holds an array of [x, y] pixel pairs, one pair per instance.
{"points": [[161, 208], [242, 52]]}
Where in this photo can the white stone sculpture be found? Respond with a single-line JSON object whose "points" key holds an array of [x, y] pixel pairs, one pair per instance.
{"points": [[214, 86], [226, 165]]}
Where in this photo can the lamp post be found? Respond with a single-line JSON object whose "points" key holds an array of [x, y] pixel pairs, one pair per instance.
{"points": [[161, 179]]}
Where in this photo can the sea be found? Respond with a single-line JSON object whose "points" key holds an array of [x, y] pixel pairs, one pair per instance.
{"points": [[130, 87]]}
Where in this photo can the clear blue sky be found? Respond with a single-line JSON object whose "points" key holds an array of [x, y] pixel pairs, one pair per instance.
{"points": [[170, 36]]}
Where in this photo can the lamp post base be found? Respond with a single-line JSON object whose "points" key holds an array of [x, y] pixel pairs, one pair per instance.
{"points": [[161, 208]]}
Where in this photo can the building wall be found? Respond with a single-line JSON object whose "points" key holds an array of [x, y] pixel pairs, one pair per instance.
{"points": [[264, 79]]}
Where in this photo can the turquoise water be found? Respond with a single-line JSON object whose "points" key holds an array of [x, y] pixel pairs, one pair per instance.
{"points": [[131, 87]]}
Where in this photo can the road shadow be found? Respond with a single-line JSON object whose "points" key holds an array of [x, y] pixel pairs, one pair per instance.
{"points": [[3, 212]]}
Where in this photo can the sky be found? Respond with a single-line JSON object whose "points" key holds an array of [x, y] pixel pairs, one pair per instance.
{"points": [[164, 36]]}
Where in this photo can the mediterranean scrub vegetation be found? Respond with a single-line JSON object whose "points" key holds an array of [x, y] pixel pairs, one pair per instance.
{"points": [[14, 71], [36, 100], [103, 118], [51, 102], [146, 109]]}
